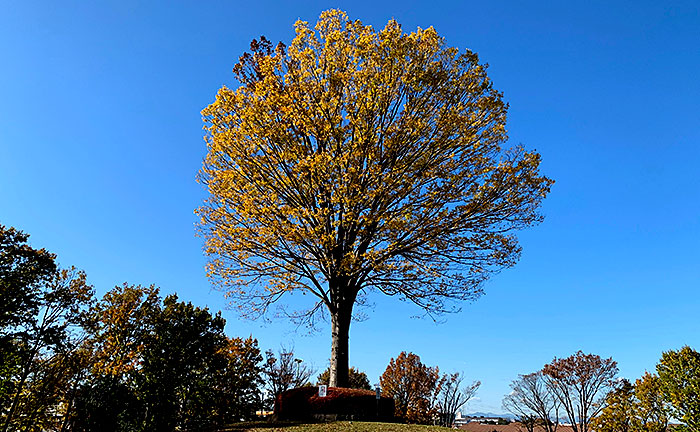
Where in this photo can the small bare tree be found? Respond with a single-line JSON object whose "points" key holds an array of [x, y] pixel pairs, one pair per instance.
{"points": [[527, 421], [533, 402], [284, 372], [580, 383], [453, 395]]}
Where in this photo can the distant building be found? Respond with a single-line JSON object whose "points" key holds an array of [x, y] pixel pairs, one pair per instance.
{"points": [[490, 420]]}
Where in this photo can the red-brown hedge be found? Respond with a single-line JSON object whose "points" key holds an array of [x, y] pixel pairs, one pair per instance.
{"points": [[339, 404]]}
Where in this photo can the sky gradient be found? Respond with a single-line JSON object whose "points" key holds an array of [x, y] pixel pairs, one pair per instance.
{"points": [[101, 139]]}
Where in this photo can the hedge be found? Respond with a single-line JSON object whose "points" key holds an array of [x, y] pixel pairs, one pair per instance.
{"points": [[339, 404]]}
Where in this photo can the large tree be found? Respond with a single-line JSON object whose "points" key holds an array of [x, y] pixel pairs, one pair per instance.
{"points": [[23, 272], [634, 408], [357, 160], [619, 412], [580, 383], [653, 409], [241, 382], [163, 364], [51, 357], [413, 386], [184, 361], [679, 379], [43, 313], [533, 402]]}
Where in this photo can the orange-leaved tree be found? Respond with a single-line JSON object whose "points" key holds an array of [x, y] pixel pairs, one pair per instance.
{"points": [[580, 384], [357, 160], [413, 386], [356, 379]]}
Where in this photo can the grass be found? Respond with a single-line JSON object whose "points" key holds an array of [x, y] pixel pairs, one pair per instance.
{"points": [[333, 427]]}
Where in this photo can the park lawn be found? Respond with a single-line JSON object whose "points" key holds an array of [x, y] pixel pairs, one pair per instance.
{"points": [[338, 426]]}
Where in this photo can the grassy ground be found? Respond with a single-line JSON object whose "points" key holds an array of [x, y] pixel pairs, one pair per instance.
{"points": [[333, 427]]}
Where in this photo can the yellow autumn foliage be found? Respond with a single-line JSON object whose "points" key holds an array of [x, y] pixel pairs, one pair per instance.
{"points": [[358, 159]]}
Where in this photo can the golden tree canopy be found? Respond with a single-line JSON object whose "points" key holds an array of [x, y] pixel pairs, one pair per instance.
{"points": [[359, 159]]}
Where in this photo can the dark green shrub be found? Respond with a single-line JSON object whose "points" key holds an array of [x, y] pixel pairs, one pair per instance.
{"points": [[107, 405]]}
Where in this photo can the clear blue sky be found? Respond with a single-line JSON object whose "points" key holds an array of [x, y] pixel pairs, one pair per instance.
{"points": [[101, 139]]}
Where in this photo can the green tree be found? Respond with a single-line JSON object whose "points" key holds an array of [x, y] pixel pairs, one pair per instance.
{"points": [[43, 313], [49, 371], [358, 160], [633, 408], [240, 383], [356, 379], [679, 376], [182, 360], [23, 270], [620, 411], [653, 410], [109, 398], [162, 365], [107, 405], [129, 362]]}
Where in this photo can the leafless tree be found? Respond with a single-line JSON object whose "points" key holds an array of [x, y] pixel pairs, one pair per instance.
{"points": [[284, 371], [533, 402], [453, 395]]}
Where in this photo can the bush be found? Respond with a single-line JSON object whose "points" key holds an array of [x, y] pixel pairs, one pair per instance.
{"points": [[356, 379], [107, 405], [339, 404]]}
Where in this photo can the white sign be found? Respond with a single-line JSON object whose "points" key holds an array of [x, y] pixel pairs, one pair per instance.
{"points": [[322, 389]]}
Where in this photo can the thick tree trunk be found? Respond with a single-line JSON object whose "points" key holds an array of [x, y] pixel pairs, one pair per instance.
{"points": [[340, 333]]}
